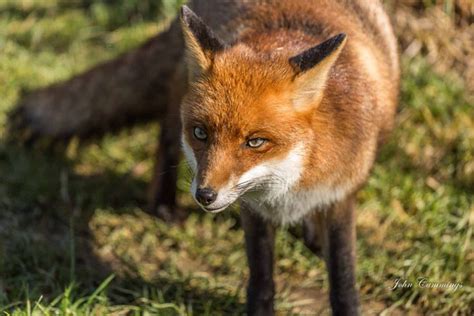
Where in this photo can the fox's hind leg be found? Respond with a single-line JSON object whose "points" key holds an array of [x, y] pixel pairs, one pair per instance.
{"points": [[162, 200]]}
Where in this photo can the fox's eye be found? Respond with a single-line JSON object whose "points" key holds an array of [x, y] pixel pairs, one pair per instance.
{"points": [[200, 133], [256, 142]]}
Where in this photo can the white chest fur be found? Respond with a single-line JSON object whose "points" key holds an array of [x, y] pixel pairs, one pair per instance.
{"points": [[292, 207]]}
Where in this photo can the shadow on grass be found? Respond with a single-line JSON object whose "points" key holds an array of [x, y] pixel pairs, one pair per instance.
{"points": [[46, 243], [45, 213]]}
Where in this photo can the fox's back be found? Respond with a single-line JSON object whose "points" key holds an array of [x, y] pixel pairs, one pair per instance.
{"points": [[230, 18]]}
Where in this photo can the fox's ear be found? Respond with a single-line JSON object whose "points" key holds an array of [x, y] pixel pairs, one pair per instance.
{"points": [[201, 42], [312, 68]]}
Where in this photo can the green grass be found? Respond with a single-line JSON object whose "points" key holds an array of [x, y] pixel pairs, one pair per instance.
{"points": [[74, 241]]}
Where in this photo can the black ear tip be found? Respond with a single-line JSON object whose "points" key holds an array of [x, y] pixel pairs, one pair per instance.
{"points": [[339, 38], [184, 9], [316, 54], [186, 12], [335, 41]]}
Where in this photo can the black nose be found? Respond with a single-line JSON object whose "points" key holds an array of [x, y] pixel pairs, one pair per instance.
{"points": [[206, 196]]}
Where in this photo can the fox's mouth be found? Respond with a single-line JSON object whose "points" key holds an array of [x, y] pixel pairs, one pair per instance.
{"points": [[215, 209], [236, 197]]}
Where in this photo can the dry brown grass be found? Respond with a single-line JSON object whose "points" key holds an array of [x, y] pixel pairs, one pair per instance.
{"points": [[442, 31]]}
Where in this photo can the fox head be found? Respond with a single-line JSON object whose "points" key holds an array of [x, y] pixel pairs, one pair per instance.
{"points": [[247, 115]]}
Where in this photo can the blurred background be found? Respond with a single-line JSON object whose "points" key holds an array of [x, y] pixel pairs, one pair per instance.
{"points": [[74, 238]]}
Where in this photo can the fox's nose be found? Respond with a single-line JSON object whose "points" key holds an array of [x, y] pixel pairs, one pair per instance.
{"points": [[206, 196]]}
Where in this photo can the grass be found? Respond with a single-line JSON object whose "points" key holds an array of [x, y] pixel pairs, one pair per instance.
{"points": [[74, 241]]}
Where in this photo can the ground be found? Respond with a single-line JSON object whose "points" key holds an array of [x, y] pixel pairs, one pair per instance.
{"points": [[74, 239]]}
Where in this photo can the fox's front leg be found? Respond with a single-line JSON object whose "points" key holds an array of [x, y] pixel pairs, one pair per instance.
{"points": [[331, 232], [260, 242]]}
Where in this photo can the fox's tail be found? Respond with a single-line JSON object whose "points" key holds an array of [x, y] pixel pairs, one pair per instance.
{"points": [[130, 88]]}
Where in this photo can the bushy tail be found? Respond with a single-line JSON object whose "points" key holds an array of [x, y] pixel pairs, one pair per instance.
{"points": [[130, 88]]}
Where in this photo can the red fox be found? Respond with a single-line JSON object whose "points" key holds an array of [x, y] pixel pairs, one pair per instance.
{"points": [[283, 105], [287, 119]]}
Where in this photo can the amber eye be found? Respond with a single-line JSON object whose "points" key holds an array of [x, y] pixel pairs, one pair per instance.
{"points": [[200, 133], [256, 142]]}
